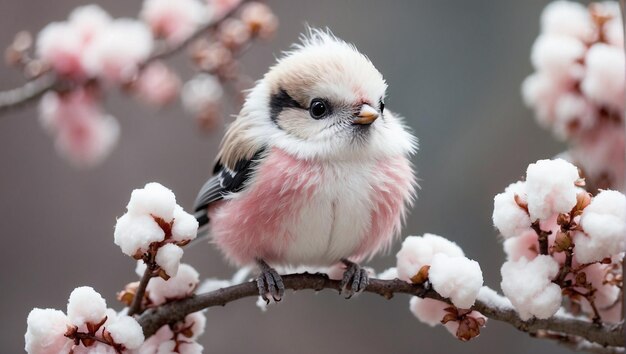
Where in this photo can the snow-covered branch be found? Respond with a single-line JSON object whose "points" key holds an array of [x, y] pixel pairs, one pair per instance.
{"points": [[490, 305]]}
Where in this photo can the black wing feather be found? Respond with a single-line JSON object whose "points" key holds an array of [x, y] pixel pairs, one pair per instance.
{"points": [[226, 181]]}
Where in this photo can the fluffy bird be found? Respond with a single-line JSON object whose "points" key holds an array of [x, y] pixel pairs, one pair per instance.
{"points": [[314, 171]]}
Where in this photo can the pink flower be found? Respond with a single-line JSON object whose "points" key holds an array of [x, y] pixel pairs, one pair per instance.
{"points": [[83, 132], [157, 85], [62, 44], [174, 20], [116, 53]]}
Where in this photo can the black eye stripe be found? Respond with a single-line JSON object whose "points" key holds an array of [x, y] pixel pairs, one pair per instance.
{"points": [[381, 106], [280, 101]]}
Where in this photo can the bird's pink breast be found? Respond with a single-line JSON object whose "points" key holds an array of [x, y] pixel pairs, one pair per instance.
{"points": [[264, 220]]}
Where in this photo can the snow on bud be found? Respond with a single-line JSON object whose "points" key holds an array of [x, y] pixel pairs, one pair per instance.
{"points": [[59, 45], [604, 78], [153, 199], [135, 233], [456, 278], [604, 225], [168, 258], [185, 226], [462, 324], [529, 287], [89, 21], [524, 245], [567, 18], [573, 113], [418, 251], [510, 215], [126, 331], [116, 54], [45, 332], [179, 286], [85, 305], [551, 188], [174, 20]]}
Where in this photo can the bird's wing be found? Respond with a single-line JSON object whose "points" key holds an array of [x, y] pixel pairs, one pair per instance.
{"points": [[226, 180]]}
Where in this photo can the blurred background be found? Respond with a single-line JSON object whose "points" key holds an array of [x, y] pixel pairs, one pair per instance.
{"points": [[454, 70]]}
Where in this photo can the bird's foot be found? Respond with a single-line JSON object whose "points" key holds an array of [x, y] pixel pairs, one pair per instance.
{"points": [[269, 282], [355, 279]]}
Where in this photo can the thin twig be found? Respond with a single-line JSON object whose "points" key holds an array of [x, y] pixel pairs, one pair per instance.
{"points": [[153, 319], [135, 307], [35, 88]]}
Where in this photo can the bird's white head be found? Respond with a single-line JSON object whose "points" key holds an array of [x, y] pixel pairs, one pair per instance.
{"points": [[322, 100]]}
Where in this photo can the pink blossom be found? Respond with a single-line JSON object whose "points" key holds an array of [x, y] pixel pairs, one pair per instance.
{"points": [[558, 56], [175, 20], [117, 52], [83, 132], [524, 245], [157, 85], [201, 92], [61, 44]]}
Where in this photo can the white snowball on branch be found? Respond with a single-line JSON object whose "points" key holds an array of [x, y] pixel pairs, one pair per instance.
{"points": [[185, 225], [456, 278], [428, 311], [558, 56], [179, 286], [604, 225], [168, 258], [508, 216], [126, 331], [418, 251], [388, 274], [45, 332], [153, 199], [529, 287], [550, 188], [135, 233], [174, 20], [86, 305]]}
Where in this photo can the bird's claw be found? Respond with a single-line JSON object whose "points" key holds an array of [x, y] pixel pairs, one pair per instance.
{"points": [[355, 279], [269, 282]]}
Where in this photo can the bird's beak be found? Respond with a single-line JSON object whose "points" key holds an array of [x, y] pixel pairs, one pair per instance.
{"points": [[367, 115]]}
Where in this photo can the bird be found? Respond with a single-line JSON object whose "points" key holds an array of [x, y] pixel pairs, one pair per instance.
{"points": [[314, 170]]}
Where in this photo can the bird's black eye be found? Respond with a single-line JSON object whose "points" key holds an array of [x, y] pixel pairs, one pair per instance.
{"points": [[381, 106], [318, 109]]}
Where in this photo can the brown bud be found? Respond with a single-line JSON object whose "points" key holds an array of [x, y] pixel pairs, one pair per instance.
{"points": [[421, 276], [563, 219], [583, 199], [469, 328], [162, 274], [562, 242], [127, 295], [94, 327]]}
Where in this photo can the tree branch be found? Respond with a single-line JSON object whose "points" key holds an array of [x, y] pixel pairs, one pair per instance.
{"points": [[604, 335], [135, 307], [35, 88]]}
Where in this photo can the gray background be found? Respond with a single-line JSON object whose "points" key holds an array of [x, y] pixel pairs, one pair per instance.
{"points": [[454, 69]]}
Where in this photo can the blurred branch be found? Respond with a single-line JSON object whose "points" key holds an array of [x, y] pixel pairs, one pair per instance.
{"points": [[31, 91], [35, 88], [603, 335]]}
